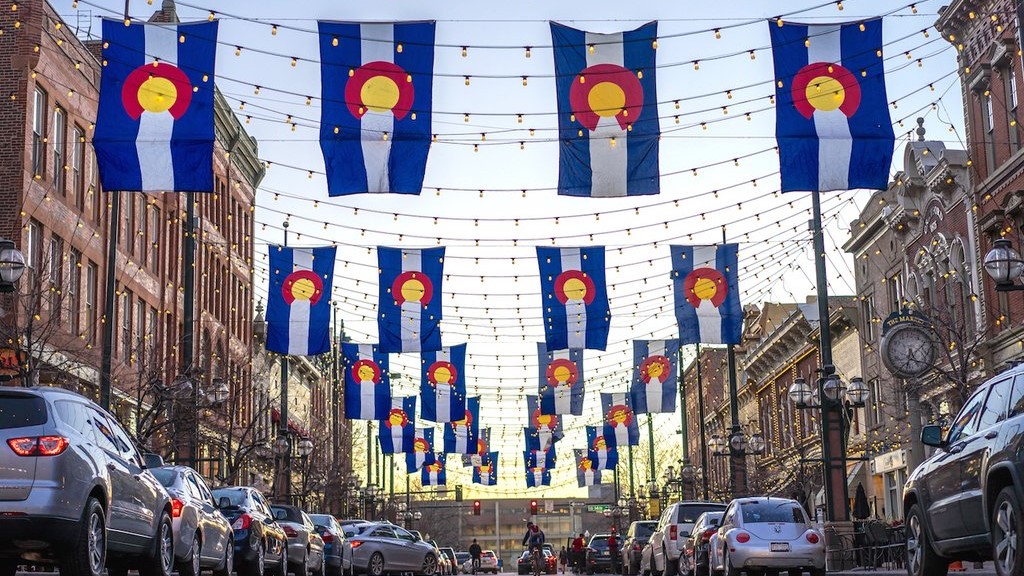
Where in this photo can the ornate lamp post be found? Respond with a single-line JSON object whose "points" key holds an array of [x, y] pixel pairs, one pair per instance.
{"points": [[1004, 265], [737, 446], [12, 265]]}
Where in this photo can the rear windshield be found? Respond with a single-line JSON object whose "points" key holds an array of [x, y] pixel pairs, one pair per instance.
{"points": [[688, 513], [287, 513], [487, 554], [18, 411], [353, 529], [599, 542], [236, 497], [644, 530], [165, 476], [322, 519], [759, 512]]}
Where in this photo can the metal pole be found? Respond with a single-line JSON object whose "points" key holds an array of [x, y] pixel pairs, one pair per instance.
{"points": [[737, 458], [833, 450], [408, 502], [652, 477], [283, 429], [188, 319], [110, 287], [632, 492], [701, 430], [369, 452]]}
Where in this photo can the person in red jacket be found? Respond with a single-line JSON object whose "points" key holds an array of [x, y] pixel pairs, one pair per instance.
{"points": [[613, 551], [578, 546]]}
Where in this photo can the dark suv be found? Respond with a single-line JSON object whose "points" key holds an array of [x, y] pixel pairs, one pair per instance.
{"points": [[966, 502], [75, 491], [261, 546]]}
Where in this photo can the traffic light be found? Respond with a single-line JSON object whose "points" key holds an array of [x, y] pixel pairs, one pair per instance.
{"points": [[476, 507], [458, 492], [533, 507]]}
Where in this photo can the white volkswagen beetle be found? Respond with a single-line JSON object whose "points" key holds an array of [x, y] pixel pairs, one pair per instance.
{"points": [[765, 533]]}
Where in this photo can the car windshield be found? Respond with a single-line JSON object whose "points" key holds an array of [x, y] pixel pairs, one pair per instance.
{"points": [[767, 511], [235, 497], [713, 519], [166, 476], [688, 513], [487, 554], [19, 410], [645, 530]]}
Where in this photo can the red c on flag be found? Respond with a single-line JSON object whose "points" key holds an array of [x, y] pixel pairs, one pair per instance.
{"points": [[157, 87], [705, 284], [379, 87], [825, 86]]}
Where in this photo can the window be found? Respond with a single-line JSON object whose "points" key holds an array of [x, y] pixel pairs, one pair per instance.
{"points": [[60, 125], [127, 301], [875, 402], [74, 290], [1016, 402], [966, 422], [129, 230], [144, 232], [151, 338], [55, 269], [153, 241], [988, 120], [78, 166], [101, 432], [895, 292], [867, 317], [94, 190], [1011, 100], [137, 329], [39, 133], [995, 406], [91, 287], [34, 252]]}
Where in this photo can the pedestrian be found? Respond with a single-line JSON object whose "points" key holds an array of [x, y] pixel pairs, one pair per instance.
{"points": [[577, 553], [613, 551], [563, 558], [474, 554]]}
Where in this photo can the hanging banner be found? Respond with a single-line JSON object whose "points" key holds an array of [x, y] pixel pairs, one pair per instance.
{"points": [[560, 381], [603, 456], [655, 364], [608, 129], [460, 436], [539, 458], [705, 281], [544, 429], [586, 473], [299, 300], [367, 385], [376, 83], [574, 297], [620, 427], [434, 474], [443, 383], [409, 308], [832, 113], [422, 450], [154, 126], [486, 473], [537, 477], [397, 432]]}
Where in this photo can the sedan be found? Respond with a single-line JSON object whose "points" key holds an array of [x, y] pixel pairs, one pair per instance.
{"points": [[334, 538], [261, 546], [387, 549], [202, 535], [766, 534], [637, 536], [695, 547], [488, 563], [305, 547]]}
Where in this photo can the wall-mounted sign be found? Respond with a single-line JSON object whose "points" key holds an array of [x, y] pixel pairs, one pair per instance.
{"points": [[11, 361], [908, 346]]}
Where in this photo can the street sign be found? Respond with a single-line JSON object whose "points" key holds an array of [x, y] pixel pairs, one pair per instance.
{"points": [[599, 508]]}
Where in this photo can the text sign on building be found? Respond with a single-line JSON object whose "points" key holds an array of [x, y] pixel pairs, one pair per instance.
{"points": [[10, 363], [889, 461]]}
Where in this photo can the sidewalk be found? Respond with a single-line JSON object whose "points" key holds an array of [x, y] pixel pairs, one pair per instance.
{"points": [[969, 569]]}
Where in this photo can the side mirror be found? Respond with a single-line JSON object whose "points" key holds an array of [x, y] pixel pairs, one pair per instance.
{"points": [[150, 460], [932, 436], [224, 502]]}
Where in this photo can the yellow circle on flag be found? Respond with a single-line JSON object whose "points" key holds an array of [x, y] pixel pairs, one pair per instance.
{"points": [[606, 99], [157, 94], [412, 290], [655, 370], [705, 289], [442, 374], [365, 373], [575, 289], [303, 289], [380, 94], [825, 93], [562, 373]]}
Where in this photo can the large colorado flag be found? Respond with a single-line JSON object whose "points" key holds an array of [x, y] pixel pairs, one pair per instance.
{"points": [[607, 111], [705, 281], [443, 384], [620, 427], [367, 383], [409, 308], [299, 300], [560, 381], [655, 363], [376, 83], [832, 113], [154, 126], [574, 297]]}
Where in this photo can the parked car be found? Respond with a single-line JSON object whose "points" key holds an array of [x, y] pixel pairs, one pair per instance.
{"points": [[763, 533], [202, 535], [695, 549], [460, 560], [525, 563], [305, 547], [383, 548], [488, 563], [449, 554], [645, 561], [637, 536], [259, 540], [75, 491], [443, 566], [597, 558], [675, 523], [965, 501], [333, 536], [351, 528]]}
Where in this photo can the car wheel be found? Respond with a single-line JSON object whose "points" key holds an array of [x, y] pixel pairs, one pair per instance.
{"points": [[161, 563], [921, 559], [228, 564], [282, 566], [88, 554], [190, 566], [730, 570], [301, 568], [429, 565], [1007, 534], [375, 567], [259, 564]]}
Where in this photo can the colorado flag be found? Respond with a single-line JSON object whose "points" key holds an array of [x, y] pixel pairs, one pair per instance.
{"points": [[587, 474], [537, 477], [460, 436], [607, 111], [705, 282], [443, 383], [299, 300], [398, 429], [544, 430], [655, 363], [574, 297], [376, 84], [422, 450], [483, 447], [539, 458], [367, 385], [154, 126], [409, 309], [603, 456], [486, 473], [832, 114], [434, 474], [620, 427], [560, 380]]}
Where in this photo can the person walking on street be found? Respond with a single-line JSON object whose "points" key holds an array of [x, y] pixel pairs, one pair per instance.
{"points": [[613, 551], [577, 554], [474, 554], [534, 538], [563, 558]]}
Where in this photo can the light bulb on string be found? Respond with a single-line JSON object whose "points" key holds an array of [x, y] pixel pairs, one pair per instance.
{"points": [[273, 30], [528, 53]]}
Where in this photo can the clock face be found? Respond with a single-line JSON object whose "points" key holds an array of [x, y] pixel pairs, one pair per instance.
{"points": [[908, 351]]}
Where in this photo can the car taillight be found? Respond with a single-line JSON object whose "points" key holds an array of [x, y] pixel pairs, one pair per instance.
{"points": [[242, 523], [38, 445], [706, 535], [743, 537], [636, 546], [327, 537], [812, 536], [290, 532], [176, 507], [673, 532], [356, 543]]}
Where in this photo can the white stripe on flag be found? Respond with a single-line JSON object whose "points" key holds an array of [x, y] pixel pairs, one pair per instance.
{"points": [[377, 44], [575, 311], [396, 438], [835, 145], [298, 316], [367, 389], [443, 392], [153, 142], [654, 388], [608, 164], [708, 317], [412, 311], [563, 392]]}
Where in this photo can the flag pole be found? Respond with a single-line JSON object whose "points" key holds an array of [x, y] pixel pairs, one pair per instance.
{"points": [[283, 430], [700, 428], [737, 456]]}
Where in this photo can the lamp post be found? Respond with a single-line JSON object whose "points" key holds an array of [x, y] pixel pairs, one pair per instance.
{"points": [[304, 448], [1004, 265], [833, 398], [12, 265], [614, 513], [678, 478], [737, 447]]}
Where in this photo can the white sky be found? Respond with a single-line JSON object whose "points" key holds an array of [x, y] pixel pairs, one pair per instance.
{"points": [[485, 305]]}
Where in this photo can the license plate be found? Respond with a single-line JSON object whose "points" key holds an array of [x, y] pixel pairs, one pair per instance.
{"points": [[780, 547]]}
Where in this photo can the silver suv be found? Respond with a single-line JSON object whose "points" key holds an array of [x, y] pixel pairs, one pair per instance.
{"points": [[674, 527], [74, 490]]}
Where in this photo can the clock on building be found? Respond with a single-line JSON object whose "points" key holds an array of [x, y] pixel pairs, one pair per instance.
{"points": [[908, 345]]}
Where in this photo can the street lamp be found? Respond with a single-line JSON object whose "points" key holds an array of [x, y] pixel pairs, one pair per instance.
{"points": [[12, 265], [1004, 265], [305, 447]]}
